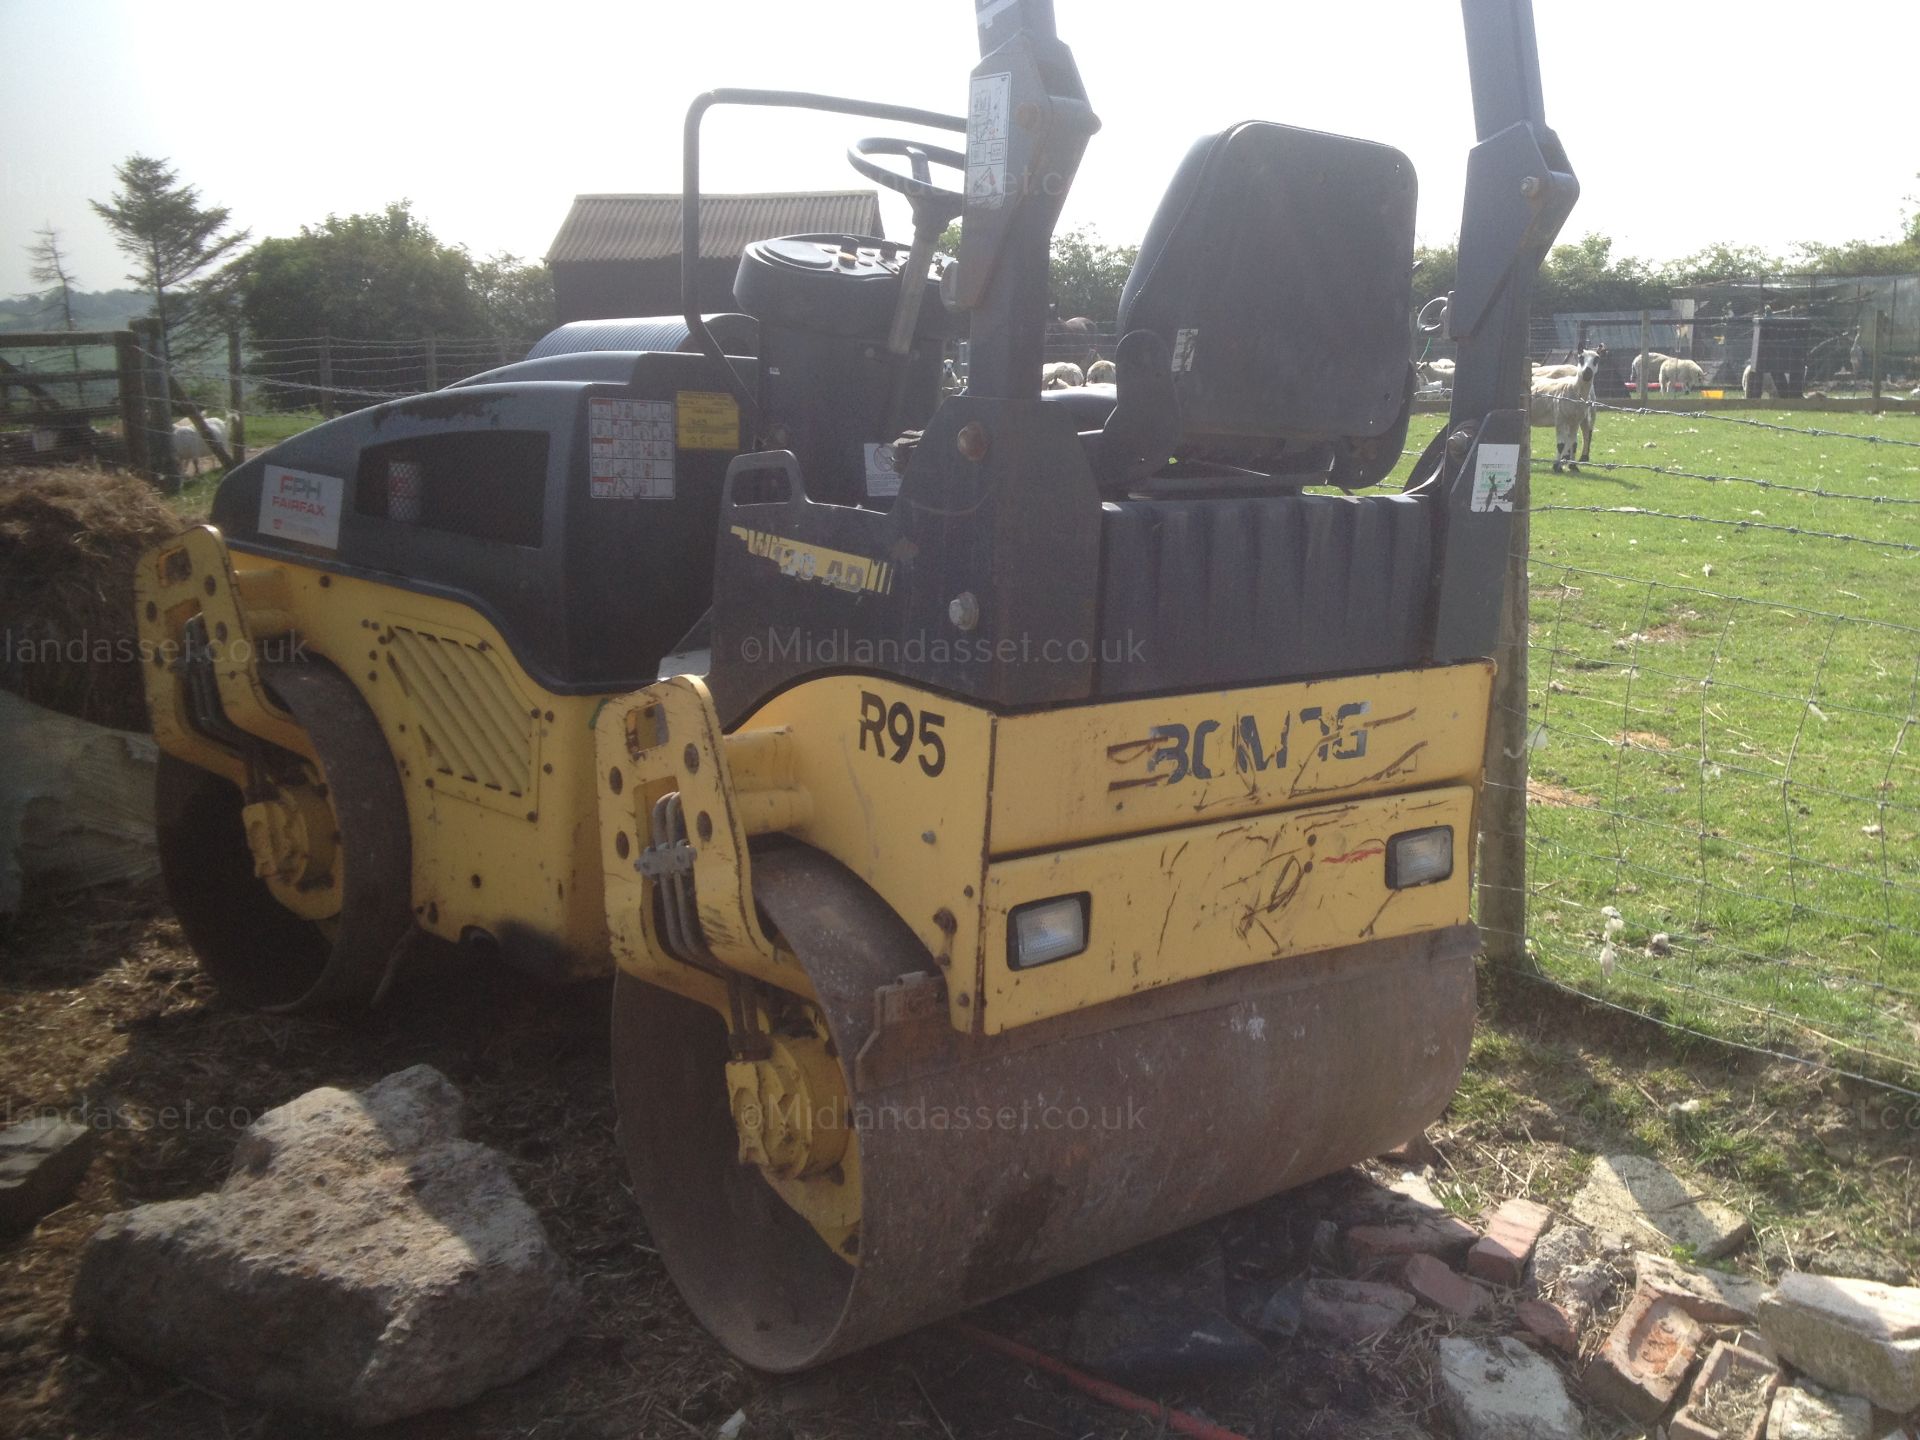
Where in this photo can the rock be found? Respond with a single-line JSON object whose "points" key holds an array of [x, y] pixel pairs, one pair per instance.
{"points": [[1324, 1248], [1804, 1412], [1562, 1249], [1859, 1264], [731, 1427], [1569, 1271], [1352, 1310], [1547, 1324], [1500, 1390], [1640, 1367], [1280, 1313], [1444, 1289], [1710, 1295], [1405, 1218], [41, 1162], [1500, 1256], [1640, 1202], [1856, 1336], [360, 1261], [1159, 1313]]}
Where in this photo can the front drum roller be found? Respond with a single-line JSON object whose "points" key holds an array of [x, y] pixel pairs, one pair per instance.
{"points": [[987, 1163], [348, 819]]}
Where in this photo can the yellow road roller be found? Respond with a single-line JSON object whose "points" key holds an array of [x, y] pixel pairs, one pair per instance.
{"points": [[1018, 824]]}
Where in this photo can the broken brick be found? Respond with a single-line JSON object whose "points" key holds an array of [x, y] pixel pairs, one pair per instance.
{"points": [[1500, 1256], [1352, 1310], [1548, 1324], [1640, 1367], [1444, 1288], [1730, 1397], [1710, 1295]]}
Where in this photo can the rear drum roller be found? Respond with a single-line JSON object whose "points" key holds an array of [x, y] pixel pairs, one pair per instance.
{"points": [[296, 895], [982, 1164]]}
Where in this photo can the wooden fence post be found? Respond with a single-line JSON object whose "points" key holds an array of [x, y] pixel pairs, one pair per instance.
{"points": [[132, 386], [326, 375], [1879, 349], [166, 466], [433, 364], [1646, 349], [1503, 800], [236, 398]]}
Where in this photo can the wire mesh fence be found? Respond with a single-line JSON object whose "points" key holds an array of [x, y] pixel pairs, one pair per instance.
{"points": [[1720, 745]]}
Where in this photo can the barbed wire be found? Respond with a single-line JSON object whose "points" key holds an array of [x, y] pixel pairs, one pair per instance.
{"points": [[1724, 419], [1782, 486], [1729, 524]]}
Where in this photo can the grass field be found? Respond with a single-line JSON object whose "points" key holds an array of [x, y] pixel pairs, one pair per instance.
{"points": [[1724, 738]]}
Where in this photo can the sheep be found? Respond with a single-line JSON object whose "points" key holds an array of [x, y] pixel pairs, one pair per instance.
{"points": [[1565, 371], [1103, 372], [1437, 372], [1566, 403], [1681, 375], [1654, 360], [189, 449], [1061, 375]]}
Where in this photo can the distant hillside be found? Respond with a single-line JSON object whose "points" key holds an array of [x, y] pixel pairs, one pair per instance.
{"points": [[92, 310]]}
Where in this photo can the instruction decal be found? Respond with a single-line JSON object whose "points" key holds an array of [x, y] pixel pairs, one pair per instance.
{"points": [[630, 448], [883, 471], [1496, 470], [709, 420], [989, 126], [300, 505]]}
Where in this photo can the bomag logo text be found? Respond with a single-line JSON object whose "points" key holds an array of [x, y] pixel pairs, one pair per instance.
{"points": [[1215, 747]]}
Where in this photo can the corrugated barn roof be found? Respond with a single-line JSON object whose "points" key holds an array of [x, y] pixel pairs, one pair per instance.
{"points": [[647, 227]]}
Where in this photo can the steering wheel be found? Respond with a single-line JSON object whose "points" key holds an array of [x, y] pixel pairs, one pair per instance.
{"points": [[933, 207]]}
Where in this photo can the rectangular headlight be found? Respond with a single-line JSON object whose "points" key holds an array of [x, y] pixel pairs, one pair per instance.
{"points": [[1047, 930], [1419, 857]]}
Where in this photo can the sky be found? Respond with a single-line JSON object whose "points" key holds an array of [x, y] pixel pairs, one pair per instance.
{"points": [[1759, 122]]}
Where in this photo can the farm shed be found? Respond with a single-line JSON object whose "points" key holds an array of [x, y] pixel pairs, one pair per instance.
{"points": [[619, 255]]}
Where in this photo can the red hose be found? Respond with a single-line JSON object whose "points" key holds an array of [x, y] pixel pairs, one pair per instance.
{"points": [[1178, 1421]]}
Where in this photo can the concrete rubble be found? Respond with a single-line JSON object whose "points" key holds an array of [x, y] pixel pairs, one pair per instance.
{"points": [[361, 1261], [1500, 1390], [1805, 1412], [1631, 1200], [41, 1162], [1856, 1336]]}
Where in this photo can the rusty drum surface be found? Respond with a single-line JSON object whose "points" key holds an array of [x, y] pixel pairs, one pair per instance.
{"points": [[989, 1163]]}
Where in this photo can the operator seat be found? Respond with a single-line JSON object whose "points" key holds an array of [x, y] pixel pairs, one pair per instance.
{"points": [[1266, 323]]}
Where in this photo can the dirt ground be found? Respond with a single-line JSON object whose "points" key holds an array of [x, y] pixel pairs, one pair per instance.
{"points": [[107, 1019]]}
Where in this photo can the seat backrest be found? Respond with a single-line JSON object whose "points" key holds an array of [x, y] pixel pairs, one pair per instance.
{"points": [[1278, 278]]}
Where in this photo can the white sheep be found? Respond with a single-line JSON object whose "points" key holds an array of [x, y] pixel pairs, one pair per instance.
{"points": [[1681, 375], [1436, 373], [1653, 361], [1566, 403], [189, 449], [1061, 375], [1103, 372]]}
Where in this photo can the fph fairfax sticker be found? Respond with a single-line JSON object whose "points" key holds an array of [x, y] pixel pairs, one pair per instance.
{"points": [[300, 505]]}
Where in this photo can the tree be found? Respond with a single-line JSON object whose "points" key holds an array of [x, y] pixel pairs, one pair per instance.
{"points": [[170, 235], [47, 268], [1086, 275], [516, 298], [363, 277]]}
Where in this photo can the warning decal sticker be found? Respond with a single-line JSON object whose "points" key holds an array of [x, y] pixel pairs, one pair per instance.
{"points": [[299, 505], [709, 420], [989, 124], [1495, 472], [630, 448]]}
